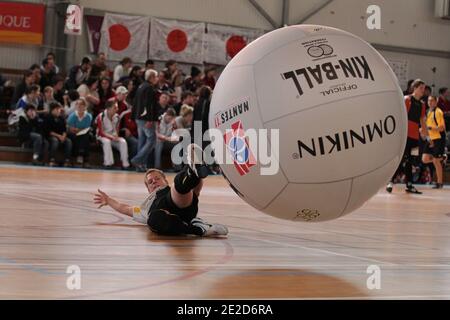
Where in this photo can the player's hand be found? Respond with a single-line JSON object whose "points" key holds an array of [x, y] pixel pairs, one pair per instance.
{"points": [[101, 198]]}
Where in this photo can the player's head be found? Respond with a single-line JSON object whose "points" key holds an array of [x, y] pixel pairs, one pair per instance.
{"points": [[432, 102], [418, 87], [155, 179]]}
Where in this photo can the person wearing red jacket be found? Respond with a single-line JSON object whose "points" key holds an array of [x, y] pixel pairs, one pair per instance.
{"points": [[128, 129]]}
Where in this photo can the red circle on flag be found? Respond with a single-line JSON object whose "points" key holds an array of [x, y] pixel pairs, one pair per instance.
{"points": [[234, 45], [177, 40], [119, 37]]}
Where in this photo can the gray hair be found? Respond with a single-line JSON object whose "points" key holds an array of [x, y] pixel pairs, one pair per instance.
{"points": [[149, 73]]}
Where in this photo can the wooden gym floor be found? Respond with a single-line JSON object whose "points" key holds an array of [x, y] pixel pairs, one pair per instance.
{"points": [[48, 222]]}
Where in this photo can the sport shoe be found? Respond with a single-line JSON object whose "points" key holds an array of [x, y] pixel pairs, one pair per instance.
{"points": [[80, 160], [52, 163], [67, 163], [35, 159], [438, 186], [194, 161], [389, 187], [412, 189], [210, 230]]}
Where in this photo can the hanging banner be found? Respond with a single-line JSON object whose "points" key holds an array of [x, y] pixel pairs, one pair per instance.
{"points": [[94, 27], [22, 22], [74, 20], [125, 36], [222, 43], [178, 40]]}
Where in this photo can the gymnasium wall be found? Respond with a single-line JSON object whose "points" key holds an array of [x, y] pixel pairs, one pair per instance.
{"points": [[405, 23]]}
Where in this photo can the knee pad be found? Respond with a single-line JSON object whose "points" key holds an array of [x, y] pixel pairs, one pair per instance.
{"points": [[185, 182]]}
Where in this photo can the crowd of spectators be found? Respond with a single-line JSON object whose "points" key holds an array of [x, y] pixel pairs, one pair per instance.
{"points": [[130, 108]]}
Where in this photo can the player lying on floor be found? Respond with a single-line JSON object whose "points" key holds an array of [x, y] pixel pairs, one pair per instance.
{"points": [[169, 210]]}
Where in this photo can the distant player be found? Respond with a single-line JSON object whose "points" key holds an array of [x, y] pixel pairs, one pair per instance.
{"points": [[416, 117], [169, 210], [434, 151]]}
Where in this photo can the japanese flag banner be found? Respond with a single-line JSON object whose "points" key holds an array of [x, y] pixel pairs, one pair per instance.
{"points": [[178, 40], [125, 36], [222, 43]]}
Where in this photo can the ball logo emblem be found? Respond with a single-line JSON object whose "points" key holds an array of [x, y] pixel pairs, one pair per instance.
{"points": [[238, 146], [308, 214], [320, 51]]}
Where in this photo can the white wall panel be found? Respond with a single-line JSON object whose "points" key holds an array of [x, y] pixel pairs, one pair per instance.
{"points": [[230, 12], [407, 23]]}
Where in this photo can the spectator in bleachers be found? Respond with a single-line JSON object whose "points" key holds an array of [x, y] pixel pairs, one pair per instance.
{"points": [[58, 88], [164, 141], [145, 113], [136, 75], [99, 66], [195, 98], [131, 88], [31, 96], [184, 120], [149, 64], [128, 129], [194, 81], [47, 99], [78, 74], [70, 102], [210, 77], [56, 132], [79, 123], [187, 98], [172, 72], [121, 99], [107, 133], [201, 111], [36, 70], [31, 134], [52, 59], [163, 82], [47, 73], [163, 102], [89, 91], [27, 81], [122, 69], [105, 92], [173, 99]]}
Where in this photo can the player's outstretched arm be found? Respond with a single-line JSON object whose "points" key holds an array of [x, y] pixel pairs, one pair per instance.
{"points": [[102, 199]]}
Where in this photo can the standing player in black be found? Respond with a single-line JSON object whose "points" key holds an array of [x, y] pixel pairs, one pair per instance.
{"points": [[416, 118]]}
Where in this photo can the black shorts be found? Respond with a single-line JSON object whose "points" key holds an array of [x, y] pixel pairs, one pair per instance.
{"points": [[437, 150], [163, 201]]}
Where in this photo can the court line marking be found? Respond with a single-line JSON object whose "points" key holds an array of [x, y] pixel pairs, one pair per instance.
{"points": [[321, 251]]}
